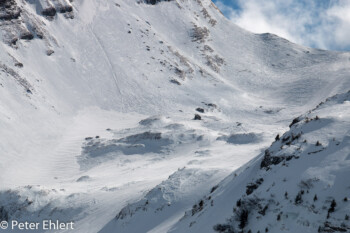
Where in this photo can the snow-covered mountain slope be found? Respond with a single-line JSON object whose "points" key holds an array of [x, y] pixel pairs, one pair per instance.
{"points": [[98, 100], [299, 184]]}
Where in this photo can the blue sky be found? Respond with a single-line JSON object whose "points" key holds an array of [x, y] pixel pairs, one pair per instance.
{"points": [[321, 24]]}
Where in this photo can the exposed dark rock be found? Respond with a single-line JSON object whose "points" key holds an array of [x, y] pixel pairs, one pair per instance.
{"points": [[285, 139], [199, 34], [27, 36], [50, 11], [9, 10], [180, 73], [154, 2], [21, 81], [270, 160], [14, 41], [65, 8], [19, 64], [252, 186], [197, 207], [174, 81], [295, 120], [197, 117], [328, 227], [212, 105], [201, 110], [15, 23], [215, 62], [49, 52], [214, 188]]}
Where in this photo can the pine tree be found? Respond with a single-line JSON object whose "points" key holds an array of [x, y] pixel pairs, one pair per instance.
{"points": [[333, 205], [243, 218], [298, 199], [278, 217], [238, 203]]}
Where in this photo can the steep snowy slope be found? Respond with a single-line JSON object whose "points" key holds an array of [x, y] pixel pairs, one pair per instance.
{"points": [[299, 184], [98, 98]]}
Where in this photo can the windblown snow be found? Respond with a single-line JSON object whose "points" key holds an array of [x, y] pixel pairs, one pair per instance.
{"points": [[158, 116]]}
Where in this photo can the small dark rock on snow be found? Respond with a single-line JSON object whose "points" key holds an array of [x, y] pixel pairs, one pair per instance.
{"points": [[201, 110], [49, 52], [197, 117]]}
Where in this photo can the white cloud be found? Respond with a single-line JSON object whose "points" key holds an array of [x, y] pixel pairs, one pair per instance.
{"points": [[301, 21], [341, 14]]}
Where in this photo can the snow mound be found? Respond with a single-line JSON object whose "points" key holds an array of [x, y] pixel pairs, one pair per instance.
{"points": [[244, 138], [161, 138], [35, 203]]}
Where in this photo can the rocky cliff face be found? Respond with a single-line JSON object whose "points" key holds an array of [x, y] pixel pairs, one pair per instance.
{"points": [[18, 22]]}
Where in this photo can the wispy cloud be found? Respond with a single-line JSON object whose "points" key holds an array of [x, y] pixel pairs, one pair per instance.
{"points": [[317, 23]]}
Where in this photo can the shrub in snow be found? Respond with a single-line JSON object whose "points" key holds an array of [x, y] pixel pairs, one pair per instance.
{"points": [[298, 199], [223, 228], [332, 207], [238, 203], [243, 218], [279, 217]]}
